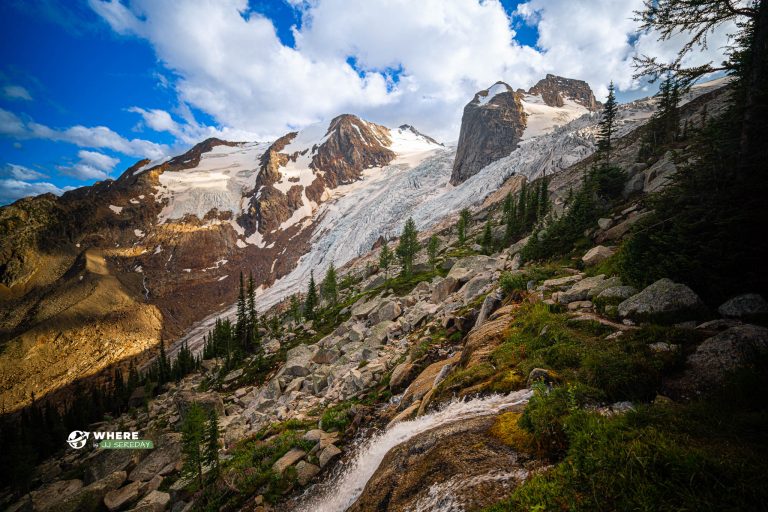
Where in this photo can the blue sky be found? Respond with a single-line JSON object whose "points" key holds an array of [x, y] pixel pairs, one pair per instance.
{"points": [[89, 87]]}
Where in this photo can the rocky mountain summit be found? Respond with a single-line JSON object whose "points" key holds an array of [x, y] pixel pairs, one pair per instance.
{"points": [[499, 118]]}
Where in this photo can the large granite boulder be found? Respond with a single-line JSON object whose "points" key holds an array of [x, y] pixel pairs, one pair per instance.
{"points": [[720, 355], [747, 306], [664, 302]]}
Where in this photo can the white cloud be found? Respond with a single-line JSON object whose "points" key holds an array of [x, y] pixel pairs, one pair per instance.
{"points": [[16, 92], [92, 166], [12, 189], [21, 172], [87, 137], [229, 62]]}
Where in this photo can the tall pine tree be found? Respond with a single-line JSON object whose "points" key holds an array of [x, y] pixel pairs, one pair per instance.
{"points": [[310, 302], [606, 128], [330, 288], [385, 259], [408, 246]]}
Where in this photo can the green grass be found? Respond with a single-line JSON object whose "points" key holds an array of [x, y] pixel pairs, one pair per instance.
{"points": [[706, 455], [249, 471]]}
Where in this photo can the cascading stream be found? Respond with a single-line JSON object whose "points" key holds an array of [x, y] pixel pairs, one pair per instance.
{"points": [[346, 485]]}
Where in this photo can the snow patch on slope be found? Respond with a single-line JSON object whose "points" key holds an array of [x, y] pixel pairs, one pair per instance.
{"points": [[495, 89], [542, 118], [219, 181]]}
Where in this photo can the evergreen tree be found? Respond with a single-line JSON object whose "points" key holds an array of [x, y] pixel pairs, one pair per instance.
{"points": [[522, 204], [329, 288], [192, 437], [385, 259], [432, 247], [408, 246], [211, 441], [606, 127], [295, 308], [310, 302], [463, 225], [163, 367], [241, 322], [509, 202], [511, 220], [487, 240], [252, 315], [544, 203]]}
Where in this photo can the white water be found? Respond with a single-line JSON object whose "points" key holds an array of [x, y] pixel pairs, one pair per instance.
{"points": [[443, 496], [348, 483]]}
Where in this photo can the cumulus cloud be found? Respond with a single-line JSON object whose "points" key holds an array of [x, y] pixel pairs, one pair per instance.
{"points": [[16, 92], [389, 61], [91, 166], [12, 189], [21, 172], [12, 125]]}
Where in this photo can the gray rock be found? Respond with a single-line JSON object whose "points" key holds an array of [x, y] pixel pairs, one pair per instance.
{"points": [[614, 293], [721, 354], [289, 459], [356, 333], [379, 333], [234, 374], [597, 254], [663, 301], [90, 497], [633, 185], [443, 288], [155, 501], [119, 498], [48, 497], [719, 324], [107, 462], [747, 306], [206, 400], [379, 280], [305, 472], [298, 361], [474, 287], [329, 453], [362, 308], [621, 229], [401, 376], [167, 450], [604, 223], [326, 356], [581, 290], [466, 268], [491, 302], [388, 310], [561, 282]]}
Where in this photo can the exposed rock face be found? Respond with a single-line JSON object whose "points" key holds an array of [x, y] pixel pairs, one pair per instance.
{"points": [[351, 146], [491, 127], [493, 123], [554, 89], [470, 468]]}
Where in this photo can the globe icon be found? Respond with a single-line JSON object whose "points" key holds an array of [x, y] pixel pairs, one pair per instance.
{"points": [[77, 439]]}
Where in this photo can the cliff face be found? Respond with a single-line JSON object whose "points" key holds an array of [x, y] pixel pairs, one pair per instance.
{"points": [[491, 127], [554, 89], [498, 118]]}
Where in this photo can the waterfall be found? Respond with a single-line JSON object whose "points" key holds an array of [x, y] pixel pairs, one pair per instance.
{"points": [[348, 481]]}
